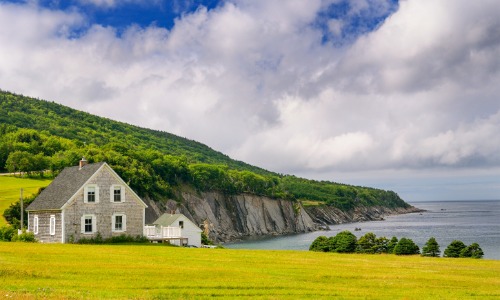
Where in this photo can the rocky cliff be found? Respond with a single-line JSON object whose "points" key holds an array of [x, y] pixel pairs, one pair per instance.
{"points": [[234, 217]]}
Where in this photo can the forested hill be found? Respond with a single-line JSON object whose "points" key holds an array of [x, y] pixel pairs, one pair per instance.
{"points": [[38, 135]]}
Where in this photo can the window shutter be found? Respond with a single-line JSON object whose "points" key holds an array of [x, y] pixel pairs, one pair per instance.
{"points": [[85, 192], [35, 224], [96, 195], [94, 223], [82, 224], [124, 225], [52, 225], [123, 193]]}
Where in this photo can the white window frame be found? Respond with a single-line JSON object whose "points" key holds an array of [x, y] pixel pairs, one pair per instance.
{"points": [[86, 191], [124, 222], [94, 224], [112, 193], [52, 224], [35, 224]]}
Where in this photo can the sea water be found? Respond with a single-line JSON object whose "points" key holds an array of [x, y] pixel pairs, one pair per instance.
{"points": [[467, 221]]}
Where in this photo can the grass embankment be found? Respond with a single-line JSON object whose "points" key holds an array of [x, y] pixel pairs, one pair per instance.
{"points": [[10, 188], [156, 271]]}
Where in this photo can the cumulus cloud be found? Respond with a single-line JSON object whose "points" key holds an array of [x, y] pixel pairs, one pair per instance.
{"points": [[258, 80]]}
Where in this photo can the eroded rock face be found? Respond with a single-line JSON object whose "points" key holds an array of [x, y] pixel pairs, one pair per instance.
{"points": [[233, 217]]}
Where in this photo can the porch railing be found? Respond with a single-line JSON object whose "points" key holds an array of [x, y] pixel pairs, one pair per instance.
{"points": [[162, 232]]}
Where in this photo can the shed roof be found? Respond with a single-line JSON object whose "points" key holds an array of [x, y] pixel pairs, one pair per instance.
{"points": [[64, 186], [169, 219]]}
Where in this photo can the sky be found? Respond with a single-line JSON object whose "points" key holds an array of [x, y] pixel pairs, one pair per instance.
{"points": [[399, 95]]}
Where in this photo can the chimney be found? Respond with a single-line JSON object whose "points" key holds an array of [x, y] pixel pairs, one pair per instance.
{"points": [[83, 162]]}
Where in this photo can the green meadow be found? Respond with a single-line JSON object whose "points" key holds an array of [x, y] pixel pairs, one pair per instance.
{"points": [[10, 188], [58, 271]]}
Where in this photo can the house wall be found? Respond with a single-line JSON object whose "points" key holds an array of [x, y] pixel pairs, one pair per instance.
{"points": [[43, 234], [103, 210], [190, 231]]}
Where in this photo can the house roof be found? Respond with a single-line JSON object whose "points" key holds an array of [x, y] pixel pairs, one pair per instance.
{"points": [[169, 219], [64, 186]]}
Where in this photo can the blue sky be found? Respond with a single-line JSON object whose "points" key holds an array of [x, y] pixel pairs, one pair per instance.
{"points": [[401, 95]]}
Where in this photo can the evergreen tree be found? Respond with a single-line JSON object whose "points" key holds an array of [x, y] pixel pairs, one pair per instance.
{"points": [[343, 242], [367, 243], [472, 251], [320, 244], [454, 249], [431, 248], [392, 244], [406, 246]]}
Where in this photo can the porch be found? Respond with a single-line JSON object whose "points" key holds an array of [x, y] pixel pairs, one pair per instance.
{"points": [[161, 234]]}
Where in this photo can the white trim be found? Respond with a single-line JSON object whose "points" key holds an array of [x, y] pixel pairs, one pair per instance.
{"points": [[82, 223], [62, 227], [74, 196], [113, 222], [86, 190], [52, 225], [112, 193], [35, 224]]}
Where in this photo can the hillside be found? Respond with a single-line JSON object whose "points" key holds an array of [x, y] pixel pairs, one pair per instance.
{"points": [[37, 135]]}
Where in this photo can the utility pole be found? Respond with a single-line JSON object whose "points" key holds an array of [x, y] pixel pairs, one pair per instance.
{"points": [[22, 211]]}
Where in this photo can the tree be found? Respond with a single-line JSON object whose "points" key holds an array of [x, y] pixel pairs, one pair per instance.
{"points": [[454, 249], [343, 242], [392, 244], [381, 245], [406, 246], [320, 244], [431, 248], [472, 251], [367, 243]]}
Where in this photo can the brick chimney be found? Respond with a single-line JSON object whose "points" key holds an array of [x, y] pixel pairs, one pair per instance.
{"points": [[83, 162]]}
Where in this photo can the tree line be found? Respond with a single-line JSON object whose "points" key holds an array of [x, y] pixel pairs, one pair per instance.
{"points": [[347, 242]]}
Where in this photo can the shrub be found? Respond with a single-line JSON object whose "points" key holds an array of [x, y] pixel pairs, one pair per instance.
{"points": [[454, 249], [392, 244], [367, 243], [205, 240], [472, 251], [6, 233], [431, 248], [320, 244], [28, 237], [343, 242], [406, 246]]}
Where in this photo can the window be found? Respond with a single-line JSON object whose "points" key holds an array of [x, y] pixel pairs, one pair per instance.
{"points": [[35, 224], [88, 224], [181, 224], [119, 222], [91, 194], [117, 193], [52, 224]]}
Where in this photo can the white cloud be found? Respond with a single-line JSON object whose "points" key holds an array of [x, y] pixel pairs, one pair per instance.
{"points": [[254, 79]]}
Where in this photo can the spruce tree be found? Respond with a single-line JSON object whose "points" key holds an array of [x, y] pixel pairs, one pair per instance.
{"points": [[472, 251], [431, 248], [454, 249]]}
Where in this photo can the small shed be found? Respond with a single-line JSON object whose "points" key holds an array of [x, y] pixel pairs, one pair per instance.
{"points": [[188, 229]]}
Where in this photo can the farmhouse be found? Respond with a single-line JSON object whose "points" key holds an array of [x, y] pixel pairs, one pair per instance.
{"points": [[85, 200]]}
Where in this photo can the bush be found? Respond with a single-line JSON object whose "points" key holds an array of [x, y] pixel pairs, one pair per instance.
{"points": [[320, 244], [392, 244], [406, 247], [454, 249], [343, 242], [120, 239], [431, 248], [472, 251], [6, 233], [205, 240], [28, 237]]}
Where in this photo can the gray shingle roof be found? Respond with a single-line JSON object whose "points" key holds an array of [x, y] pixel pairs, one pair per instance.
{"points": [[65, 185], [166, 219]]}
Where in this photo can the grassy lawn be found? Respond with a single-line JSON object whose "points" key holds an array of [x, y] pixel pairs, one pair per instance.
{"points": [[10, 188], [157, 272]]}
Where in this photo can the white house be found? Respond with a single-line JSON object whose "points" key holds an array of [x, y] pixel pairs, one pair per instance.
{"points": [[176, 229]]}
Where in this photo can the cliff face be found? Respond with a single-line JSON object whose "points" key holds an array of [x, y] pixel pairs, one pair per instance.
{"points": [[233, 217]]}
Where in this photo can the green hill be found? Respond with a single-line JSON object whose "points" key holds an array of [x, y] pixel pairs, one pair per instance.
{"points": [[37, 135]]}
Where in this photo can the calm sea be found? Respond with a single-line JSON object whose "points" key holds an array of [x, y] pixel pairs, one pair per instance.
{"points": [[468, 221]]}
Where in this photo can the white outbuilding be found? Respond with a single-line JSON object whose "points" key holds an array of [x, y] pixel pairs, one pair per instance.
{"points": [[190, 233]]}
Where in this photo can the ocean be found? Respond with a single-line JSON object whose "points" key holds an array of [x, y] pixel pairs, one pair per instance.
{"points": [[468, 221]]}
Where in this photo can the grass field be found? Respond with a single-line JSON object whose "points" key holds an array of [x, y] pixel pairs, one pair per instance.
{"points": [[10, 190], [59, 271]]}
